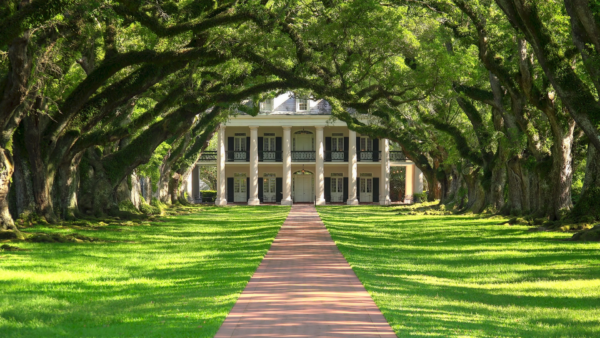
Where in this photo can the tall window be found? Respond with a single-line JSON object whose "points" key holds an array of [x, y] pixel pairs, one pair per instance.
{"points": [[302, 104], [266, 105]]}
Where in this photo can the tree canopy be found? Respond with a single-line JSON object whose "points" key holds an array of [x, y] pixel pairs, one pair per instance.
{"points": [[495, 98]]}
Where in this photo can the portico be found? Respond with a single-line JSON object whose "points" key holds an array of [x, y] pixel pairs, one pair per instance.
{"points": [[310, 159]]}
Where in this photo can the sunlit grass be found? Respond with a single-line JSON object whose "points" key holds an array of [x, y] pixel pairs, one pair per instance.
{"points": [[463, 276], [177, 278]]}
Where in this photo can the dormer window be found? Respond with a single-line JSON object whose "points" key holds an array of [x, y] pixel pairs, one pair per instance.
{"points": [[266, 105], [302, 104]]}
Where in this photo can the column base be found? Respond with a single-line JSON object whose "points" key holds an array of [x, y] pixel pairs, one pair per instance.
{"points": [[321, 202], [254, 201], [287, 202], [220, 202], [385, 200], [352, 202]]}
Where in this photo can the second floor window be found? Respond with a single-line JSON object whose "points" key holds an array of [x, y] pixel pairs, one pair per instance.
{"points": [[302, 104]]}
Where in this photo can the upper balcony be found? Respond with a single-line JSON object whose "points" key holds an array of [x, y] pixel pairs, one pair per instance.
{"points": [[302, 156]]}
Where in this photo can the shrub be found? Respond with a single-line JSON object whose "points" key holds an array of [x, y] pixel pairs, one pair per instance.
{"points": [[208, 195], [420, 197]]}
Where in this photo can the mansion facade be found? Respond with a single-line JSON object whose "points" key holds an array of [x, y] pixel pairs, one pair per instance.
{"points": [[295, 152]]}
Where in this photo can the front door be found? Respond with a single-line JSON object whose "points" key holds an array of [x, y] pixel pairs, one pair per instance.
{"points": [[366, 190], [303, 188], [337, 189], [269, 189], [239, 188], [269, 148], [240, 148]]}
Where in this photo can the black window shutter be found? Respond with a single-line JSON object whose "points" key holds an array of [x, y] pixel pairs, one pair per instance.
{"points": [[247, 148], [358, 188], [346, 148], [260, 149], [230, 149], [345, 194], [247, 188], [376, 189], [279, 189], [195, 183], [260, 189], [376, 150], [229, 189], [327, 189], [279, 149], [358, 150], [328, 149]]}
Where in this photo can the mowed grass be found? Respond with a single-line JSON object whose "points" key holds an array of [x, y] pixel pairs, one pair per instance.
{"points": [[177, 278], [463, 276]]}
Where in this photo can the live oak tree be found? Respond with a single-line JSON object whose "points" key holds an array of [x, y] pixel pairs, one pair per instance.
{"points": [[481, 95]]}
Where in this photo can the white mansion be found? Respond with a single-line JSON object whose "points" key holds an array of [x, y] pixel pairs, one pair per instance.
{"points": [[294, 151]]}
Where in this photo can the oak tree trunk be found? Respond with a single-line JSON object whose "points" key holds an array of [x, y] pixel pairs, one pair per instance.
{"points": [[561, 175], [6, 171]]}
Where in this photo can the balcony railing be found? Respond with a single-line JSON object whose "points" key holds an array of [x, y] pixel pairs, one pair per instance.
{"points": [[369, 156], [270, 156], [397, 156], [303, 156], [336, 156], [238, 156], [208, 156]]}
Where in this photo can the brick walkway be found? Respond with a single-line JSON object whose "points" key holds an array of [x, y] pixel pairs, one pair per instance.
{"points": [[304, 288]]}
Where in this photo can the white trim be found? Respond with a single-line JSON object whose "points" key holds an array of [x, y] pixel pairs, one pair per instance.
{"points": [[297, 99]]}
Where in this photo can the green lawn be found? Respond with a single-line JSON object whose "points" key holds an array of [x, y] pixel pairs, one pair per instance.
{"points": [[461, 276], [177, 278]]}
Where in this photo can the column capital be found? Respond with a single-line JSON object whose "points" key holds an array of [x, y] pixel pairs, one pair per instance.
{"points": [[319, 127], [253, 127], [287, 127]]}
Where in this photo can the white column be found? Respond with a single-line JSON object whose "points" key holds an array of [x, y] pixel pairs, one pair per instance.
{"points": [[418, 185], [253, 166], [320, 172], [221, 179], [384, 181], [287, 166], [409, 183], [352, 170]]}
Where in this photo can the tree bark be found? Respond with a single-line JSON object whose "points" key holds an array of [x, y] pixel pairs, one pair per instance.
{"points": [[561, 176], [68, 185], [476, 193], [592, 170], [22, 181], [518, 187], [6, 171], [42, 181], [498, 182]]}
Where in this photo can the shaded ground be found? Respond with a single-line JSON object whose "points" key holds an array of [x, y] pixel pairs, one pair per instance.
{"points": [[174, 278], [457, 276]]}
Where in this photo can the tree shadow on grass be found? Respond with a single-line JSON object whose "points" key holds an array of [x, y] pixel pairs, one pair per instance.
{"points": [[451, 276], [177, 280]]}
